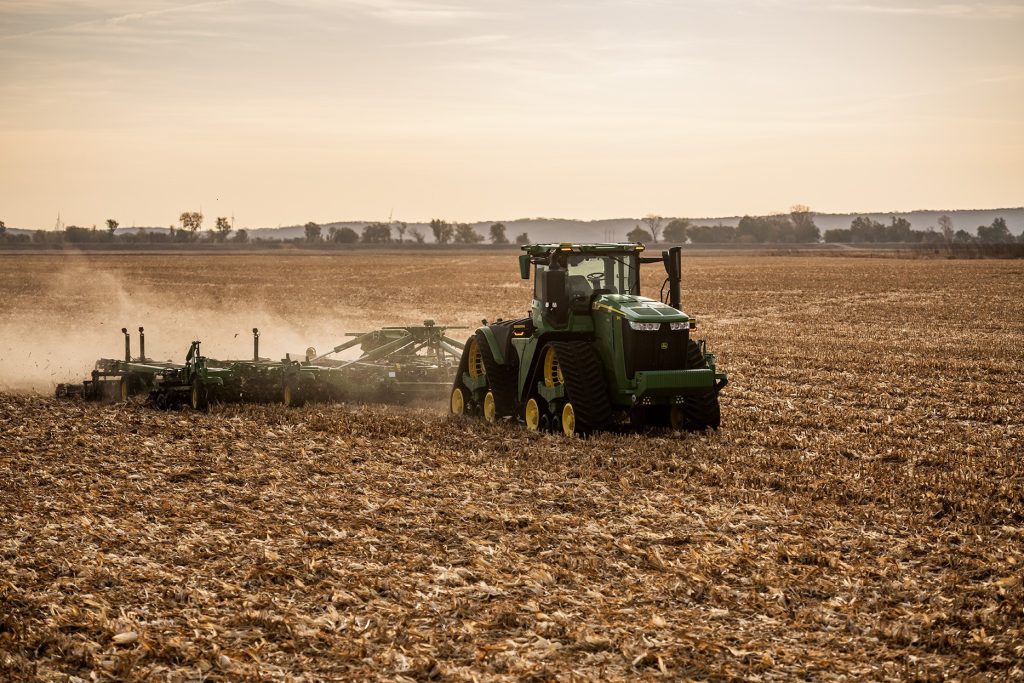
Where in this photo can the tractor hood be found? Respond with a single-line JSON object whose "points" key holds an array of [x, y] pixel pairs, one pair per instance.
{"points": [[638, 308]]}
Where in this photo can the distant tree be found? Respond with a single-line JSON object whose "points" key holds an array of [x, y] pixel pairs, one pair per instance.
{"points": [[711, 234], [331, 232], [776, 228], [443, 231], [864, 229], [946, 227], [313, 232], [498, 234], [416, 234], [377, 233], [899, 230], [465, 234], [241, 236], [961, 236], [191, 221], [838, 235], [346, 235], [638, 234], [522, 239], [3, 229], [400, 228], [653, 224], [804, 229], [675, 231], [997, 233], [223, 229], [111, 227], [930, 236]]}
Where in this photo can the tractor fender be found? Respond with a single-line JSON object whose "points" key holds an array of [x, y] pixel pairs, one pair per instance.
{"points": [[497, 353]]}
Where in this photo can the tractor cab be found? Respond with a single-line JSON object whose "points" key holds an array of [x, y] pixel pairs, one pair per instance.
{"points": [[571, 278]]}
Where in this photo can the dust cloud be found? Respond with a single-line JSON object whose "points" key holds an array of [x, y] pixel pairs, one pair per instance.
{"points": [[81, 312]]}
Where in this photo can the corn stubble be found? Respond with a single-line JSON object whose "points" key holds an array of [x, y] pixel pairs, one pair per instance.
{"points": [[861, 513]]}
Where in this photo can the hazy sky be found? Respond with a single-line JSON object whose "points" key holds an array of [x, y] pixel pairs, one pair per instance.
{"points": [[283, 111]]}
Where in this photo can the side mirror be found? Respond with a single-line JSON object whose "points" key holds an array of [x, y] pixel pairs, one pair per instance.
{"points": [[524, 266]]}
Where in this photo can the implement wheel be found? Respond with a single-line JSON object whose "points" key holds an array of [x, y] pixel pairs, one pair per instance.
{"points": [[200, 397], [290, 396]]}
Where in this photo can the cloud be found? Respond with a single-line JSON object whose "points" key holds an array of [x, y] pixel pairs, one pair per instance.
{"points": [[962, 10], [470, 40], [99, 24], [981, 11], [414, 12]]}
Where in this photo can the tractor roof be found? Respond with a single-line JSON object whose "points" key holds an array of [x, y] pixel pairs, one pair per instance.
{"points": [[583, 248]]}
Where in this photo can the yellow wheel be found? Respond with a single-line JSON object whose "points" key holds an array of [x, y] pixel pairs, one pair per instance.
{"points": [[200, 399], [532, 415], [552, 371], [125, 389], [475, 366], [569, 420], [458, 404], [490, 413], [675, 417]]}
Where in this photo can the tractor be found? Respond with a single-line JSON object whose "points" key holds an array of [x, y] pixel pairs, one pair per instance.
{"points": [[594, 354]]}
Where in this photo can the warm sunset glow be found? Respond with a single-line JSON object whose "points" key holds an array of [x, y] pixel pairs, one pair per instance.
{"points": [[285, 111]]}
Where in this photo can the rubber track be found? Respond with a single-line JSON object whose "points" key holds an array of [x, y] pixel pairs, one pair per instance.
{"points": [[700, 411], [463, 366], [502, 380], [585, 384]]}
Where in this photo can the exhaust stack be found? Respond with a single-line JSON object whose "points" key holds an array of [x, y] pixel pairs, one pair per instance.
{"points": [[127, 345], [142, 344], [255, 343], [674, 269]]}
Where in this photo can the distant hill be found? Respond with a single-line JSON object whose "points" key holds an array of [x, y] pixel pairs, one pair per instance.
{"points": [[615, 229]]}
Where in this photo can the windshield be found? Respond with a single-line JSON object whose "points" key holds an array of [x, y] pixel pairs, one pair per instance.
{"points": [[612, 274]]}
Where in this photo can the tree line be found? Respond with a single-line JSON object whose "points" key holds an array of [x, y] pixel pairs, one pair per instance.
{"points": [[400, 232], [191, 223], [796, 227], [867, 230]]}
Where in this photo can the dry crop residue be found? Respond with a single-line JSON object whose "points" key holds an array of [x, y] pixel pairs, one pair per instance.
{"points": [[861, 513]]}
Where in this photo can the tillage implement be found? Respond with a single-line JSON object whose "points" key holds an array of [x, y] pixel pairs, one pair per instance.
{"points": [[593, 354], [393, 365]]}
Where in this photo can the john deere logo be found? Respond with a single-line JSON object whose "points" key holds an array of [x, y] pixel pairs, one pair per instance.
{"points": [[664, 346]]}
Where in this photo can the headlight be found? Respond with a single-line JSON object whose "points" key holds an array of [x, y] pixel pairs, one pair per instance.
{"points": [[679, 326], [645, 327]]}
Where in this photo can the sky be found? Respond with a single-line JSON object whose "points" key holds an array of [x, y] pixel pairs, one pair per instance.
{"points": [[279, 112]]}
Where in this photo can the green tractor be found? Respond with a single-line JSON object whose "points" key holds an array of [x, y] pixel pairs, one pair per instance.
{"points": [[594, 354]]}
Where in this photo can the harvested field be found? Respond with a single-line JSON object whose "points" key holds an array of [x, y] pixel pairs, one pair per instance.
{"points": [[859, 515]]}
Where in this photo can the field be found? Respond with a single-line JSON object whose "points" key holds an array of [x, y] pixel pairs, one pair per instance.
{"points": [[859, 515]]}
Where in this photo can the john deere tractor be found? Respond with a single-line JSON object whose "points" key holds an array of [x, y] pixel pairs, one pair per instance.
{"points": [[594, 354]]}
